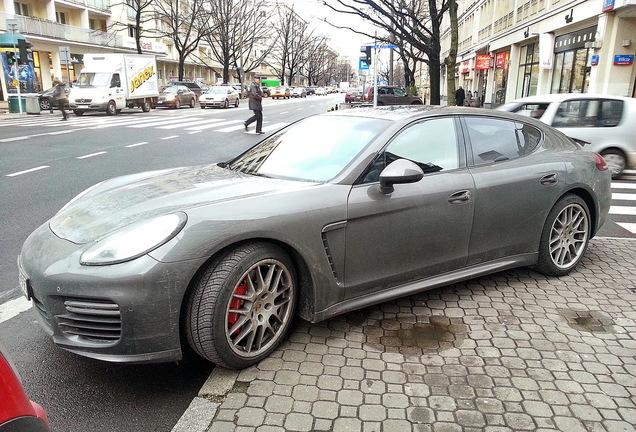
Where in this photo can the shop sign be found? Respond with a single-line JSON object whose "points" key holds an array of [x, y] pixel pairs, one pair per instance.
{"points": [[501, 59], [608, 5], [623, 59], [484, 61], [465, 68], [594, 61]]}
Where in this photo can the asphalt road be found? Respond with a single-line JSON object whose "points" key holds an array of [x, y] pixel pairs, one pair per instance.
{"points": [[44, 163]]}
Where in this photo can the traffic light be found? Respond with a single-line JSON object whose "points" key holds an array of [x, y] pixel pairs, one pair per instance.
{"points": [[24, 52], [366, 49], [10, 58]]}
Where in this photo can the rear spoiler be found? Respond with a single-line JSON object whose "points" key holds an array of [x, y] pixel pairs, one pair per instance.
{"points": [[580, 142]]}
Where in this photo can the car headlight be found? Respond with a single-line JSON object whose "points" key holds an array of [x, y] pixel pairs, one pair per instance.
{"points": [[134, 240], [169, 97]]}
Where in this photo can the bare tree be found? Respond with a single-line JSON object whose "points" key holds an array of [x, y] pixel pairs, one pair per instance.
{"points": [[317, 63], [413, 22], [142, 10], [185, 23], [236, 34], [289, 53]]}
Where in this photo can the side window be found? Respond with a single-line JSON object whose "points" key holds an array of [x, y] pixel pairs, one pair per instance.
{"points": [[500, 140], [576, 113], [534, 110], [611, 113], [399, 92], [115, 81], [431, 144]]}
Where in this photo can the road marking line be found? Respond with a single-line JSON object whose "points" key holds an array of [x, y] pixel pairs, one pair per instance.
{"points": [[59, 132], [13, 308], [624, 196], [170, 137], [212, 123], [631, 227], [137, 145], [622, 210], [619, 185], [16, 138], [163, 122], [91, 155], [27, 171]]}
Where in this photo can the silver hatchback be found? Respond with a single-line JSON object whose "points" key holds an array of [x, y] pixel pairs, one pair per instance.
{"points": [[606, 122]]}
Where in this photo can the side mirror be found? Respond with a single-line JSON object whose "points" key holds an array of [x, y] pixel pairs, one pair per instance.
{"points": [[401, 171]]}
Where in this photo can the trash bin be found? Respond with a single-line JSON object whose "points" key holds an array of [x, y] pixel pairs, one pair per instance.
{"points": [[32, 104], [13, 104]]}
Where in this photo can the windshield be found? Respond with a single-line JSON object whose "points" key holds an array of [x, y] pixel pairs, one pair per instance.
{"points": [[315, 149], [218, 90], [170, 89], [97, 79]]}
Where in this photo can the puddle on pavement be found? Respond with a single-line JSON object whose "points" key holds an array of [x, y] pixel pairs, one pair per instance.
{"points": [[440, 333], [588, 321]]}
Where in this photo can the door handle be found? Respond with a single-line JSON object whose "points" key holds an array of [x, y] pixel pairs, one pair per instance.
{"points": [[460, 197], [549, 179]]}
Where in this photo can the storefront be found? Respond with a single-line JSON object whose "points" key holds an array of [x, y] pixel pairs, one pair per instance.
{"points": [[572, 62], [500, 81], [528, 79]]}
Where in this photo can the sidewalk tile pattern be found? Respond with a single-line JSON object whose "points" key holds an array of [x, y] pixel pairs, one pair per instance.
{"points": [[514, 351]]}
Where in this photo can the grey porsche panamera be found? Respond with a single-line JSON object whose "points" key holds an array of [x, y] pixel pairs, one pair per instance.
{"points": [[333, 213]]}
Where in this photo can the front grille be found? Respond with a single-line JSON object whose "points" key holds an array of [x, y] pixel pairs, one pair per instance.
{"points": [[39, 307], [92, 320], [83, 100]]}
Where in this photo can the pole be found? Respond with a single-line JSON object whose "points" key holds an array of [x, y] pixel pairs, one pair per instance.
{"points": [[14, 28], [375, 73]]}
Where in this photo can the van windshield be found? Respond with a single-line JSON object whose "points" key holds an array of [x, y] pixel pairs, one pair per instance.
{"points": [[96, 79]]}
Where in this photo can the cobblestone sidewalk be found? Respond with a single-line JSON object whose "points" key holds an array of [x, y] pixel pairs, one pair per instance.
{"points": [[515, 351]]}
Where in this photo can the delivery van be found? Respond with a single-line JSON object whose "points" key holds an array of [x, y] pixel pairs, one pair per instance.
{"points": [[112, 82]]}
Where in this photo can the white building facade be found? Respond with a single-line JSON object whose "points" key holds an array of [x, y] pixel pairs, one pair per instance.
{"points": [[516, 48]]}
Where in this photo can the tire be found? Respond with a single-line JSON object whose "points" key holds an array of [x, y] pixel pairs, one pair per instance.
{"points": [[78, 113], [192, 102], [145, 106], [565, 236], [111, 108], [45, 104], [202, 106], [616, 161], [177, 104], [236, 103], [261, 312], [226, 104]]}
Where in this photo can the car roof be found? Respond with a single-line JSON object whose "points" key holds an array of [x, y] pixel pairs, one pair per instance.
{"points": [[407, 112], [560, 97]]}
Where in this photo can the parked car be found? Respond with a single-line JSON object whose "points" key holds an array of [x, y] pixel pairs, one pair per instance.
{"points": [[391, 95], [17, 412], [353, 95], [311, 91], [47, 101], [299, 92], [194, 87], [281, 92], [220, 96], [175, 96], [223, 256], [321, 91], [606, 122]]}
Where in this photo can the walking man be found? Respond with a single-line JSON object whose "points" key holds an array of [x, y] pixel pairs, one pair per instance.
{"points": [[460, 95], [59, 94], [255, 96]]}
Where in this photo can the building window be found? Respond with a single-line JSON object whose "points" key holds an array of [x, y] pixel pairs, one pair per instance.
{"points": [[60, 17], [21, 8], [571, 73], [528, 70], [132, 31], [97, 24]]}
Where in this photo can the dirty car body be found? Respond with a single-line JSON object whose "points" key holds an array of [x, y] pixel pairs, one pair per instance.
{"points": [[333, 213]]}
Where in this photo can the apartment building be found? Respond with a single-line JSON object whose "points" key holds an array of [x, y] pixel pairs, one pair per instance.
{"points": [[516, 48], [60, 32]]}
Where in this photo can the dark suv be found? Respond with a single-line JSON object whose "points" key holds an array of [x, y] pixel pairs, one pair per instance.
{"points": [[391, 95], [192, 86]]}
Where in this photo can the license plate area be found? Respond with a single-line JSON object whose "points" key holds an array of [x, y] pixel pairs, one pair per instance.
{"points": [[25, 285]]}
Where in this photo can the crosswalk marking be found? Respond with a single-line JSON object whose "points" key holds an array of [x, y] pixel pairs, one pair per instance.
{"points": [[624, 191], [631, 227], [624, 196], [164, 122], [211, 124]]}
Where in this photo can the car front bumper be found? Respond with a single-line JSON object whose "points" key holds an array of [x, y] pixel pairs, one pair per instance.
{"points": [[127, 312]]}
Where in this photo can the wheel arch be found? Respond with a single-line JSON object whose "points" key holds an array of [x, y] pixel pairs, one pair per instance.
{"points": [[305, 282], [586, 196]]}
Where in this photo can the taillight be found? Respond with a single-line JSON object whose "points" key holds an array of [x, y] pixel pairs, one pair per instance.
{"points": [[601, 165]]}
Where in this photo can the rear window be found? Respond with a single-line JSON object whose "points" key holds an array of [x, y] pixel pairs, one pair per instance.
{"points": [[494, 140], [589, 113]]}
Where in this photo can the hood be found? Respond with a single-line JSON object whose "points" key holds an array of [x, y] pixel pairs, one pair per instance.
{"points": [[122, 201]]}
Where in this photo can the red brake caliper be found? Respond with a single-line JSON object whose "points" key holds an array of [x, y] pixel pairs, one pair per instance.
{"points": [[236, 303]]}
